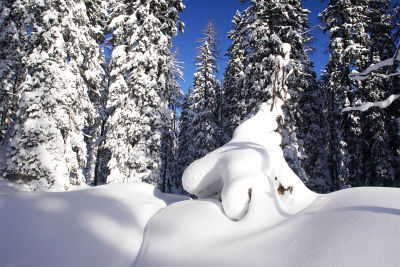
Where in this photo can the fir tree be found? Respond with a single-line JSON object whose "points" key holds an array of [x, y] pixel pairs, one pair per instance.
{"points": [[268, 25], [186, 151], [169, 179], [14, 25], [84, 33], [205, 96], [142, 32], [360, 35], [47, 144], [376, 122], [234, 106]]}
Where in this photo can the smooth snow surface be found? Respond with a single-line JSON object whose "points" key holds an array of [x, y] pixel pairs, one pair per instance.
{"points": [[96, 227], [252, 161], [135, 224], [352, 227]]}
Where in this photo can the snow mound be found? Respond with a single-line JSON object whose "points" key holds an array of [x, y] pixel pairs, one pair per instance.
{"points": [[352, 227], [102, 226], [252, 162]]}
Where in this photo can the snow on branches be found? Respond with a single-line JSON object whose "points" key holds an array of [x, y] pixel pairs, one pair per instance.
{"points": [[360, 76]]}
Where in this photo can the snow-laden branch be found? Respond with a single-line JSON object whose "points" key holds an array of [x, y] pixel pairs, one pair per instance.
{"points": [[387, 62], [360, 76], [366, 74], [382, 104]]}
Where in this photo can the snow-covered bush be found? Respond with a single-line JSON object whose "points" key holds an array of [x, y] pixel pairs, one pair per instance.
{"points": [[251, 163]]}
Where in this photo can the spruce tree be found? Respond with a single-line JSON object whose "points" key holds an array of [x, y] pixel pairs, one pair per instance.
{"points": [[267, 26], [234, 106], [142, 32], [47, 145], [14, 25], [359, 36], [376, 122], [84, 34], [206, 88], [186, 151], [169, 176]]}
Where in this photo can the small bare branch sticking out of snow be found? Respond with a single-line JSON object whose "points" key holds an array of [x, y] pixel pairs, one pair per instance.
{"points": [[382, 104]]}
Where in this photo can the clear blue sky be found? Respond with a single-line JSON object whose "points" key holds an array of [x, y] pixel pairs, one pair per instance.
{"points": [[199, 12]]}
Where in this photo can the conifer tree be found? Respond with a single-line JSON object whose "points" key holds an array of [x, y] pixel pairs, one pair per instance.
{"points": [[359, 35], [205, 96], [169, 176], [14, 24], [142, 32], [47, 144], [267, 26], [377, 155], [234, 106], [186, 152], [84, 33]]}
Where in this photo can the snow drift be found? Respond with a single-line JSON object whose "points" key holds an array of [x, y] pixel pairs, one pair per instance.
{"points": [[278, 222], [352, 227], [251, 163], [94, 227]]}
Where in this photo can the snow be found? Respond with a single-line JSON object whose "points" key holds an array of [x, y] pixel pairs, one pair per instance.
{"points": [[382, 104], [134, 224], [93, 227], [252, 161], [352, 227]]}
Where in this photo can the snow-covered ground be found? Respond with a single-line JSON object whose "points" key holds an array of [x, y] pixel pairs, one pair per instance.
{"points": [[102, 226], [353, 227], [253, 211]]}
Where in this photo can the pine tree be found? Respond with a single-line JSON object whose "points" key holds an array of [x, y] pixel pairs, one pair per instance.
{"points": [[14, 24], [267, 26], [186, 150], [349, 49], [142, 32], [83, 35], [47, 144], [205, 95], [234, 106], [169, 179], [380, 163]]}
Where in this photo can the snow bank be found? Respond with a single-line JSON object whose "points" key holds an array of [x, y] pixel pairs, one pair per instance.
{"points": [[96, 227], [352, 227], [251, 162]]}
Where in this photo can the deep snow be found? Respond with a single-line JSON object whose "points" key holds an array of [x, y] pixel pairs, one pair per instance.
{"points": [[352, 227], [102, 226], [135, 224], [252, 161]]}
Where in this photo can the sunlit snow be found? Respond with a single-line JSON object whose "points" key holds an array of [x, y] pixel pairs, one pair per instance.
{"points": [[279, 222]]}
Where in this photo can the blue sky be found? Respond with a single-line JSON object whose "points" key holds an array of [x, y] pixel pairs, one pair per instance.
{"points": [[199, 12]]}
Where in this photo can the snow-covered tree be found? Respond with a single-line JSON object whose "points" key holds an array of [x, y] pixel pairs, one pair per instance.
{"points": [[14, 24], [47, 144], [84, 33], [186, 152], [138, 106], [346, 22], [169, 175], [206, 132], [234, 105], [360, 33], [259, 35]]}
